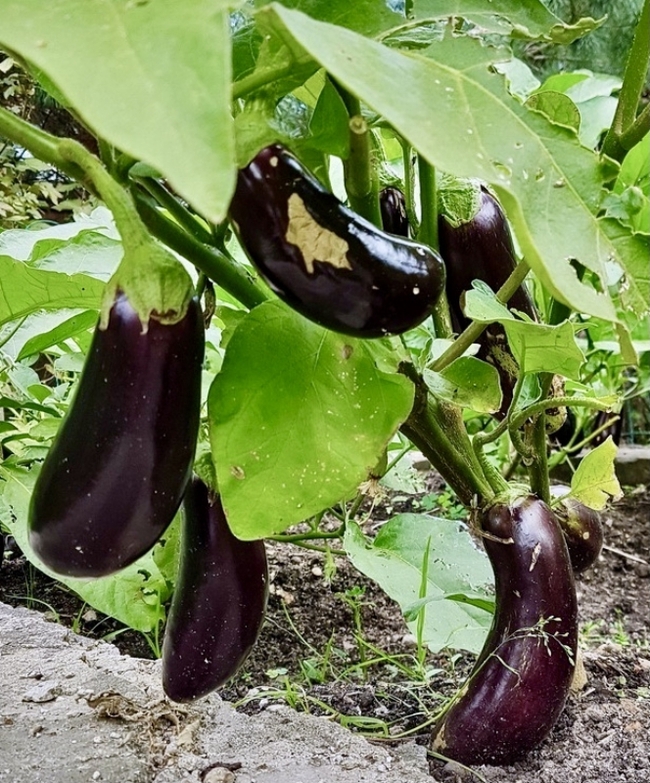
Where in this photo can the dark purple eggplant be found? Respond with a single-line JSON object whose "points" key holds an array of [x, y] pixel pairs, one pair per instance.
{"points": [[219, 601], [582, 528], [325, 261], [482, 249], [394, 219], [521, 679], [116, 473]]}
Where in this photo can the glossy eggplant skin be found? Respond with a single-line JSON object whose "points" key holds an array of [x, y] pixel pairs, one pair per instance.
{"points": [[118, 468], [481, 249], [394, 219], [325, 261], [582, 528], [521, 679], [218, 604]]}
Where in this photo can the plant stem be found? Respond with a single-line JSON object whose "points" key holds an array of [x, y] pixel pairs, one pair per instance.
{"points": [[409, 186], [556, 402], [360, 178], [438, 431], [637, 131], [41, 144], [169, 202], [476, 328], [633, 84], [226, 273], [117, 199], [428, 235], [538, 469]]}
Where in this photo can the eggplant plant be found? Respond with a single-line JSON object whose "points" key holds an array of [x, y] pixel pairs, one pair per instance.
{"points": [[419, 260]]}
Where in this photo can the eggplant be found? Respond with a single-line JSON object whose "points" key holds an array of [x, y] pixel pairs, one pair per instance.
{"points": [[521, 679], [582, 527], [117, 470], [325, 261], [482, 249], [219, 601], [394, 219]]}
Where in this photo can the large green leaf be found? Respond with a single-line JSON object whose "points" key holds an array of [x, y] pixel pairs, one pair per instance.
{"points": [[134, 596], [298, 418], [524, 19], [152, 78], [458, 113], [455, 568], [25, 290]]}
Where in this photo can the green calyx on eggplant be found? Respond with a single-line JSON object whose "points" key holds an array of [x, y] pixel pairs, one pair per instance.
{"points": [[482, 249], [392, 205], [521, 680], [117, 470], [325, 261], [582, 527], [219, 601]]}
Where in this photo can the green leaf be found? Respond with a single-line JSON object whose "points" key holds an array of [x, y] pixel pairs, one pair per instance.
{"points": [[467, 382], [524, 19], [542, 348], [368, 21], [395, 559], [635, 169], [536, 347], [458, 113], [329, 123], [80, 322], [594, 482], [24, 290], [557, 107], [152, 78], [298, 417], [134, 596]]}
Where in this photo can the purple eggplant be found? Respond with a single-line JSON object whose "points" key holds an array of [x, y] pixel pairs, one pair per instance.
{"points": [[482, 249], [521, 679], [582, 528], [394, 219], [325, 261], [219, 601], [115, 475]]}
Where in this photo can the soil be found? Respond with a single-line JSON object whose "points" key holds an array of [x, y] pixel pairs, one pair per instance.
{"points": [[323, 632]]}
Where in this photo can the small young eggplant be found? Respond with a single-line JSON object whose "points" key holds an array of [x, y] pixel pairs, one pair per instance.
{"points": [[325, 261], [582, 528], [521, 679], [394, 219], [218, 604], [116, 473]]}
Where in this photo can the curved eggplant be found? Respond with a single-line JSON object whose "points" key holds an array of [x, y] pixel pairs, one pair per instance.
{"points": [[394, 219], [325, 261], [582, 528], [218, 604], [116, 473], [521, 680]]}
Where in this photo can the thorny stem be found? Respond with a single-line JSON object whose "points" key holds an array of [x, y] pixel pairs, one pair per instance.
{"points": [[625, 118], [476, 328], [555, 402], [538, 467]]}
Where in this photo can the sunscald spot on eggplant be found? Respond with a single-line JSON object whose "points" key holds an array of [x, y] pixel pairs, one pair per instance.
{"points": [[325, 261], [314, 242]]}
